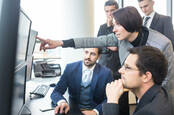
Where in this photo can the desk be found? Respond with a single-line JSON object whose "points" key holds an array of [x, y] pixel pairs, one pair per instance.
{"points": [[35, 104]]}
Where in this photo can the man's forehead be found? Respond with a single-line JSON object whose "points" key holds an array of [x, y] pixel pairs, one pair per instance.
{"points": [[131, 59], [110, 6], [144, 2], [91, 49]]}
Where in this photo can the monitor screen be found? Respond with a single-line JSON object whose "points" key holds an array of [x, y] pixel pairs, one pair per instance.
{"points": [[21, 64], [32, 42], [23, 36], [30, 50]]}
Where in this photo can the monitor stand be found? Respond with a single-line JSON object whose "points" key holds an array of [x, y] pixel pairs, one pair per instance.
{"points": [[26, 111]]}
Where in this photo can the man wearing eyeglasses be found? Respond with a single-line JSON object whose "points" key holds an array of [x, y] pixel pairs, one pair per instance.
{"points": [[143, 72], [109, 56]]}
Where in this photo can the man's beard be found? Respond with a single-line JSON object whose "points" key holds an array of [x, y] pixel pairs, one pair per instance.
{"points": [[88, 64]]}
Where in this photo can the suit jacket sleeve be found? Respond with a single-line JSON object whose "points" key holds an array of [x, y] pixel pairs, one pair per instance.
{"points": [[168, 29], [102, 41], [168, 52], [110, 109], [61, 87], [99, 107]]}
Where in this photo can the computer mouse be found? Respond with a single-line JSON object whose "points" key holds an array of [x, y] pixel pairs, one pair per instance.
{"points": [[52, 85]]}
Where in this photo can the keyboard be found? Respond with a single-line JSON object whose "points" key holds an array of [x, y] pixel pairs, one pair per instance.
{"points": [[40, 90]]}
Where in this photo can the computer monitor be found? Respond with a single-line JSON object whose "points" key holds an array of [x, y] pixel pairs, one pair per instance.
{"points": [[23, 36], [9, 15], [21, 64]]}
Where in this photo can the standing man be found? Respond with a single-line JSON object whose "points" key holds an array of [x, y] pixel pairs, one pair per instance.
{"points": [[143, 72], [158, 22], [109, 56], [86, 81]]}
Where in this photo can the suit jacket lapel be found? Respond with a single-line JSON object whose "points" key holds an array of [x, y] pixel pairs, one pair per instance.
{"points": [[154, 21], [78, 79], [94, 78]]}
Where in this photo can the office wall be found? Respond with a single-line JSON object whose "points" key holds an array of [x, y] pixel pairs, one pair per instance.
{"points": [[157, 6], [61, 19], [99, 15]]}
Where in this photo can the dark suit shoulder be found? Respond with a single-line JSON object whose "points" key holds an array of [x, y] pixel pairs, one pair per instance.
{"points": [[154, 102], [73, 66], [162, 18], [104, 30], [104, 68], [103, 25]]}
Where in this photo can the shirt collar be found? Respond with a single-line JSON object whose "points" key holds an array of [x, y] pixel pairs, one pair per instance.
{"points": [[151, 15]]}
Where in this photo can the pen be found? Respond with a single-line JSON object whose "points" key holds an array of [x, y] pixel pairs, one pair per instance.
{"points": [[46, 109]]}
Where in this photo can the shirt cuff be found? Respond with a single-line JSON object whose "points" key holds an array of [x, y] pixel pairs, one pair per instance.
{"points": [[61, 101], [96, 111], [68, 43]]}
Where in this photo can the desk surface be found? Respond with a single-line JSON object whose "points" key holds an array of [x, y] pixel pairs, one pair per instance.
{"points": [[36, 104]]}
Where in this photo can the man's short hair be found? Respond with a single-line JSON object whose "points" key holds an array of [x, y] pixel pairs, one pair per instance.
{"points": [[99, 51], [142, 0], [151, 59], [111, 3], [129, 18]]}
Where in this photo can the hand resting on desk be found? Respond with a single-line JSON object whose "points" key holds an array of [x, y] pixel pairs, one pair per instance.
{"points": [[62, 109]]}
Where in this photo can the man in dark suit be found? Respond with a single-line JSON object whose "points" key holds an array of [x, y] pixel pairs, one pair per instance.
{"points": [[143, 72], [109, 56], [158, 22], [86, 81]]}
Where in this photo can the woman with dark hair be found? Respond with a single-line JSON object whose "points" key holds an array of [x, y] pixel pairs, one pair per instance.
{"points": [[129, 33]]}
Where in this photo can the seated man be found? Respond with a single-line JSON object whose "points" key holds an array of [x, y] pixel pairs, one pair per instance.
{"points": [[86, 81], [143, 72]]}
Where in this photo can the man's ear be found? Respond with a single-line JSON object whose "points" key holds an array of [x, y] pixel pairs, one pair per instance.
{"points": [[147, 77]]}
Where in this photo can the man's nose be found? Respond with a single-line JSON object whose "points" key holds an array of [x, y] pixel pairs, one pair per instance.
{"points": [[143, 10], [88, 55], [121, 70], [110, 13]]}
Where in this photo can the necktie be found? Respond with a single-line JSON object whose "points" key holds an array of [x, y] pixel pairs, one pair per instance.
{"points": [[146, 20], [86, 79]]}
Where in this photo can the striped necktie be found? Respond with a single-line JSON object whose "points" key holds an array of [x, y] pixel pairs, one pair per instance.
{"points": [[146, 20]]}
